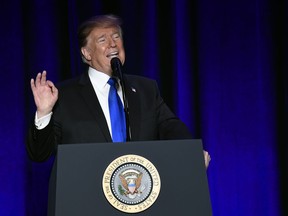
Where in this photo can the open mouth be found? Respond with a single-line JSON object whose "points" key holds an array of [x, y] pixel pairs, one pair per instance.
{"points": [[112, 55]]}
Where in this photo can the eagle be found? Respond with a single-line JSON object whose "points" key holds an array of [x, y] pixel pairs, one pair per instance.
{"points": [[131, 183]]}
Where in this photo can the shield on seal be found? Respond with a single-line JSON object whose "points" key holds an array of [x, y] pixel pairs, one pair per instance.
{"points": [[131, 180], [131, 186]]}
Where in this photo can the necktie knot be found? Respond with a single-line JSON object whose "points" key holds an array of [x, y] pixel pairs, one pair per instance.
{"points": [[112, 82]]}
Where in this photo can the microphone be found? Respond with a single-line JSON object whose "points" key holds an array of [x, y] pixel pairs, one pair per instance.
{"points": [[116, 66]]}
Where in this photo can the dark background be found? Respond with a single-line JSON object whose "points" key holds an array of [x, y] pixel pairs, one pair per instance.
{"points": [[221, 66]]}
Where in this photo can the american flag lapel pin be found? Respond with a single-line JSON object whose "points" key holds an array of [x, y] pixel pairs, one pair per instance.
{"points": [[133, 89]]}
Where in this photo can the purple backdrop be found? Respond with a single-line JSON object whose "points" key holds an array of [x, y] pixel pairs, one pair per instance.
{"points": [[221, 66]]}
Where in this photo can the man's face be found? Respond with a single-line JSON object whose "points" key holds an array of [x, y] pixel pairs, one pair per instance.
{"points": [[102, 45]]}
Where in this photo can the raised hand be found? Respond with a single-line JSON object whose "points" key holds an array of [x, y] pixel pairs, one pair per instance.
{"points": [[45, 94]]}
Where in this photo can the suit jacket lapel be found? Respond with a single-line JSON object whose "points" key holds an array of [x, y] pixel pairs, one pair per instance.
{"points": [[94, 106]]}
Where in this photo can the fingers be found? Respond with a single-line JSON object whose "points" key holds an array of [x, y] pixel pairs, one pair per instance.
{"points": [[52, 86], [207, 158], [41, 81], [37, 79], [32, 83], [41, 78], [206, 155]]}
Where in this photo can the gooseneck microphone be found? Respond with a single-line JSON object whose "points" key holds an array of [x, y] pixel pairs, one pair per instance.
{"points": [[116, 66]]}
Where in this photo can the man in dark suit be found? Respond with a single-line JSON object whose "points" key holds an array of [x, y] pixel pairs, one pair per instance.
{"points": [[76, 111]]}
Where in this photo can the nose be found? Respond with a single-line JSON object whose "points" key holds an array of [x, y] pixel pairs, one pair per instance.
{"points": [[112, 42]]}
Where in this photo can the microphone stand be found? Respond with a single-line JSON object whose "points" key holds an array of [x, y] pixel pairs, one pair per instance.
{"points": [[117, 72]]}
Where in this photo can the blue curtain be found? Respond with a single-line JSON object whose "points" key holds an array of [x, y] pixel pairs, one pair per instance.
{"points": [[221, 66]]}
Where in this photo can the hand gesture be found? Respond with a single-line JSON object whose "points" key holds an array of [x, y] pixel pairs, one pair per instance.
{"points": [[45, 94]]}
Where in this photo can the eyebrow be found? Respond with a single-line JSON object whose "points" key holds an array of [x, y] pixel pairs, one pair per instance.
{"points": [[101, 36]]}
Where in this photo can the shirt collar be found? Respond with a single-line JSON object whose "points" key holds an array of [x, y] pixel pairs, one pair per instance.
{"points": [[98, 78]]}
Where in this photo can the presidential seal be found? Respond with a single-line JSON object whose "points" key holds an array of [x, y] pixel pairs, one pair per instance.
{"points": [[131, 183]]}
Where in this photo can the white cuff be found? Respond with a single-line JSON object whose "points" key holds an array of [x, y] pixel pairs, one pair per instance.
{"points": [[43, 121]]}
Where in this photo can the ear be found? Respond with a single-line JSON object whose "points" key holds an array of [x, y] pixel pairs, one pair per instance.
{"points": [[86, 54]]}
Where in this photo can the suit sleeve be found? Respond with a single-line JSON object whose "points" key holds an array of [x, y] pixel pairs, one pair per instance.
{"points": [[41, 144], [169, 125]]}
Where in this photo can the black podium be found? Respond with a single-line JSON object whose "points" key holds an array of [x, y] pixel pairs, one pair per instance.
{"points": [[77, 183]]}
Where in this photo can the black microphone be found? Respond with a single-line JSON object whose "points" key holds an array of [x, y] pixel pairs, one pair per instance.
{"points": [[116, 66]]}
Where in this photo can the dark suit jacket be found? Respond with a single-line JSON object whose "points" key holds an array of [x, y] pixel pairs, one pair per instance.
{"points": [[78, 117]]}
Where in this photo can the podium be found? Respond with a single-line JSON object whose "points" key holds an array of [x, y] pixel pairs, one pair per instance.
{"points": [[83, 179]]}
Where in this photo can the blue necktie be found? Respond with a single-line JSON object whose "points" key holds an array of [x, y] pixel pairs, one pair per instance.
{"points": [[117, 115]]}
